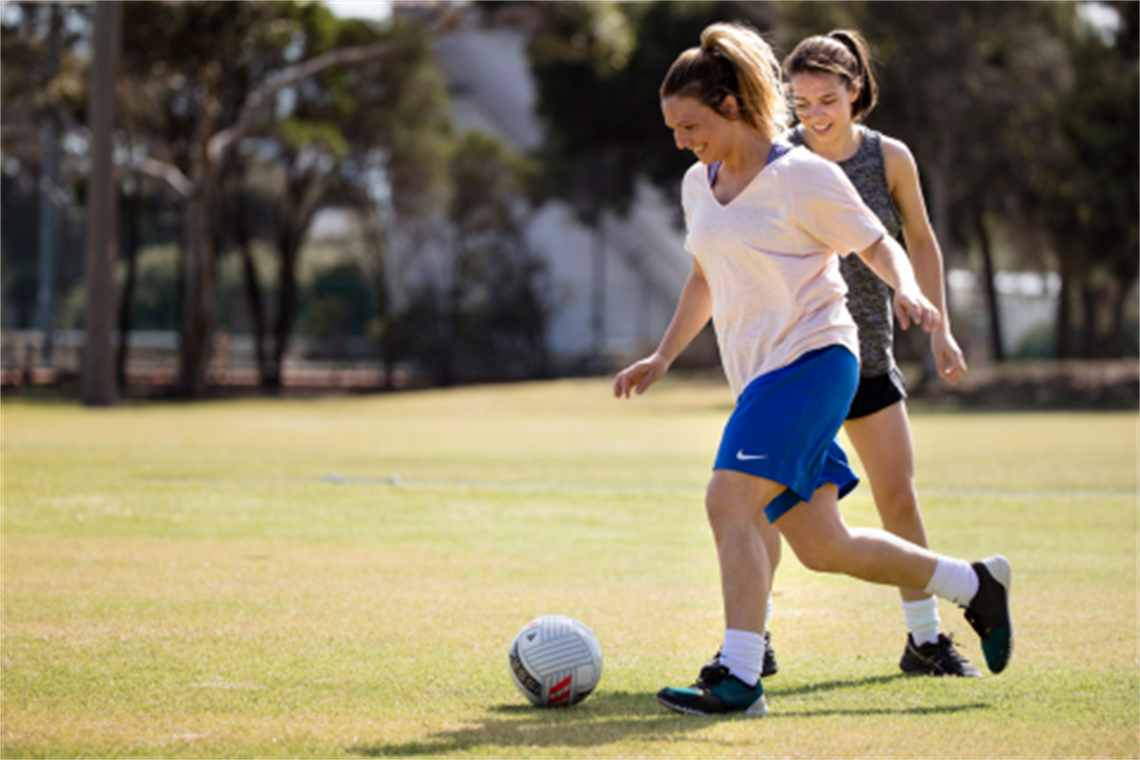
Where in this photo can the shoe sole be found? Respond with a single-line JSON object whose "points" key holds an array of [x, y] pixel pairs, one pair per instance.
{"points": [[997, 654], [757, 709]]}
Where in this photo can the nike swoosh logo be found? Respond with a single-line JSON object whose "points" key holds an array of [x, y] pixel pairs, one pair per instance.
{"points": [[746, 457]]}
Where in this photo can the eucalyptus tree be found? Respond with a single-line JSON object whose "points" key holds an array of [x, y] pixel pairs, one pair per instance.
{"points": [[217, 71]]}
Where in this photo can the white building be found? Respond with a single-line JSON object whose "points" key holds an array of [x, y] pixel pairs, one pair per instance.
{"points": [[607, 315]]}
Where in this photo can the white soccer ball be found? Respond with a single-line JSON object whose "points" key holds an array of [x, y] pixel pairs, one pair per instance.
{"points": [[555, 661]]}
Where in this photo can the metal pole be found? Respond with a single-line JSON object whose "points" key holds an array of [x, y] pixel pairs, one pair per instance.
{"points": [[49, 182], [102, 210]]}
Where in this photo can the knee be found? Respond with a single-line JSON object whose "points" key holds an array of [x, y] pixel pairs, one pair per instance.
{"points": [[899, 504], [899, 512], [725, 510], [822, 554]]}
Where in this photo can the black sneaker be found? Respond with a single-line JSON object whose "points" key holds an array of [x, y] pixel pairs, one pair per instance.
{"points": [[769, 666], [988, 611], [940, 658], [716, 692]]}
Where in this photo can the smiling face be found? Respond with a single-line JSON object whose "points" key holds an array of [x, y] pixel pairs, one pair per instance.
{"points": [[698, 128], [823, 104]]}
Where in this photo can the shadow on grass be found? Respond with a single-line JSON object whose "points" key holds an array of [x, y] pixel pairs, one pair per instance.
{"points": [[612, 717]]}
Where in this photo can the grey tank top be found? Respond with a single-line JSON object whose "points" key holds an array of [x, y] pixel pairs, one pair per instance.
{"points": [[868, 297]]}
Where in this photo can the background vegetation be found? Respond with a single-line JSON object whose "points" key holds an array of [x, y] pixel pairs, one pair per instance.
{"points": [[1023, 118]]}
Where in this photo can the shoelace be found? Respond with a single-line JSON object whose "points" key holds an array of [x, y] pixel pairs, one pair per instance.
{"points": [[946, 645], [711, 675]]}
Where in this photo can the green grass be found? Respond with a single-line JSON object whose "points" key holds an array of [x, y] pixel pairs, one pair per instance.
{"points": [[343, 577]]}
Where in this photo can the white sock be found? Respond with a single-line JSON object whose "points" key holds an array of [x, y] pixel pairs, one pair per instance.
{"points": [[742, 653], [922, 620], [955, 580], [768, 615]]}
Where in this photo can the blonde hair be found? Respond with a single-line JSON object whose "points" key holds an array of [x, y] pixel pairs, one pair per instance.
{"points": [[733, 59]]}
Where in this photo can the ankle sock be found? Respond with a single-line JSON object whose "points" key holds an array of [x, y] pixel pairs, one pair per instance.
{"points": [[743, 653], [922, 620], [955, 580]]}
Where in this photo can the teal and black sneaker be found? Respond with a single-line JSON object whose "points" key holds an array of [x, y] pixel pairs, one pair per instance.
{"points": [[988, 611], [768, 666], [716, 692]]}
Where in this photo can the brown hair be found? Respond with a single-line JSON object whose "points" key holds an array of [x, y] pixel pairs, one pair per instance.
{"points": [[733, 59], [844, 53]]}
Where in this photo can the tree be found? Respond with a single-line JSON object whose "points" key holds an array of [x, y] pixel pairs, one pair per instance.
{"points": [[222, 71], [605, 137], [495, 303], [979, 91], [340, 124], [1087, 193]]}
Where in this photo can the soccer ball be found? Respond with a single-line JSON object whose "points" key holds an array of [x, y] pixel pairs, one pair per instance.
{"points": [[555, 661]]}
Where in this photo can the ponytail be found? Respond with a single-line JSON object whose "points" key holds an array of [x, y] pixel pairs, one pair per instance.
{"points": [[733, 59], [844, 53]]}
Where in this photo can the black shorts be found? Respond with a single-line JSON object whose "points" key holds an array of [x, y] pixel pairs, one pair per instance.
{"points": [[877, 393]]}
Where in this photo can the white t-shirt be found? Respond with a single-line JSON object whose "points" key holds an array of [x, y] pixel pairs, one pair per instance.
{"points": [[769, 256]]}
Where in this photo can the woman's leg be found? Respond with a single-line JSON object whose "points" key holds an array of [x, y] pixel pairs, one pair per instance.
{"points": [[883, 443], [823, 542], [731, 682], [735, 505]]}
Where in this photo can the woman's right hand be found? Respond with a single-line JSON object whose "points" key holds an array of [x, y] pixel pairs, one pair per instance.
{"points": [[638, 376]]}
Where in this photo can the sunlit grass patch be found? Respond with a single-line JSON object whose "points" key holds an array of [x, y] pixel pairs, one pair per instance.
{"points": [[343, 578]]}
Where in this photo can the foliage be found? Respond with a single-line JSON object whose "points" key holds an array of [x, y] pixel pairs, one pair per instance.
{"points": [[485, 314], [611, 58], [1086, 194], [338, 303], [1005, 106]]}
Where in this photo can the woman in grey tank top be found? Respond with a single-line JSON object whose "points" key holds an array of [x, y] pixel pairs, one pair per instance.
{"points": [[833, 89]]}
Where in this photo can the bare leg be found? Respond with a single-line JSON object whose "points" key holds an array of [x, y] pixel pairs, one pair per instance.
{"points": [[734, 503], [823, 542], [883, 443], [772, 541]]}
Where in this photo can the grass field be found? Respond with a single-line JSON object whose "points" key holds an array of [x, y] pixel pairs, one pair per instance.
{"points": [[343, 577]]}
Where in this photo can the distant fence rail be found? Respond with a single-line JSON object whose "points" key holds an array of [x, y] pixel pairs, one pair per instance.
{"points": [[153, 361]]}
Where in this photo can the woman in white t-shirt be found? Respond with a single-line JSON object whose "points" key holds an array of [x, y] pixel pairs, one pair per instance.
{"points": [[766, 226]]}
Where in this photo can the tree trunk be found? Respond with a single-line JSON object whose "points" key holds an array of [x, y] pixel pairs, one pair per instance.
{"points": [[199, 295], [1088, 296], [1125, 281], [126, 299], [254, 299], [997, 347], [286, 310], [102, 215], [374, 241], [1063, 331], [49, 182], [598, 295]]}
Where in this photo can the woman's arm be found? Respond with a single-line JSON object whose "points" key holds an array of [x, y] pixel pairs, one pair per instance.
{"points": [[694, 308], [925, 254], [889, 261]]}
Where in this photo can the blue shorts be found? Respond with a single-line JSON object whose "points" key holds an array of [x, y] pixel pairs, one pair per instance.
{"points": [[785, 423]]}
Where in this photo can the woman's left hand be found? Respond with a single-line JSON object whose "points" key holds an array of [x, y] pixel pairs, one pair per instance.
{"points": [[912, 307]]}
